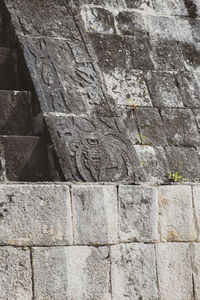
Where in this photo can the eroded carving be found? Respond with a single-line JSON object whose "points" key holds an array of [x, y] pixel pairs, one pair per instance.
{"points": [[93, 149]]}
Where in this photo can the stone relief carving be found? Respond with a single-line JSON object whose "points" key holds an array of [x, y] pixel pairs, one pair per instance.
{"points": [[93, 149]]}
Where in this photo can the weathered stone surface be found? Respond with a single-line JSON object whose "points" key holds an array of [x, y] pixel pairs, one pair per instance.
{"points": [[195, 253], [133, 272], [95, 214], [189, 30], [176, 219], [15, 274], [185, 160], [163, 89], [35, 215], [150, 125], [196, 113], [153, 163], [77, 273], [34, 18], [191, 56], [196, 196], [169, 7], [189, 88], [98, 20], [138, 52], [25, 158], [130, 23], [92, 149], [174, 271], [15, 113], [162, 27], [109, 50], [166, 55], [126, 87], [180, 127], [138, 214]]}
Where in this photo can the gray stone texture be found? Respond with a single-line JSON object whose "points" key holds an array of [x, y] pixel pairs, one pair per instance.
{"points": [[174, 271], [133, 272], [15, 274], [35, 215], [95, 214], [77, 273], [195, 255], [138, 214], [176, 218]]}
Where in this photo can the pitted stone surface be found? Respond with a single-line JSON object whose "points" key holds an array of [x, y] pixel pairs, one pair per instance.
{"points": [[95, 214], [15, 274], [195, 254], [174, 271], [35, 215], [176, 218], [138, 214], [134, 267], [78, 273]]}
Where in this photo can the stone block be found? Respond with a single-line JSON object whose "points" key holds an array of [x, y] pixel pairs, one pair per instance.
{"points": [[16, 113], [168, 7], [162, 27], [130, 23], [166, 55], [195, 254], [34, 18], [163, 89], [98, 20], [109, 50], [126, 87], [77, 273], [134, 267], [35, 215], [174, 271], [196, 113], [15, 274], [189, 88], [176, 219], [145, 117], [139, 4], [25, 158], [153, 163], [92, 149], [191, 56], [185, 160], [180, 127], [138, 214], [95, 214], [189, 30], [138, 52]]}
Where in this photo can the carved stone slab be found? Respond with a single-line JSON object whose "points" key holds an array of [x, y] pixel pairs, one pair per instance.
{"points": [[92, 149]]}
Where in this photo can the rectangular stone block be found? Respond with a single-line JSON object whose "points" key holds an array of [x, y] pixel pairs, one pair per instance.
{"points": [[15, 274], [163, 89], [130, 23], [16, 113], [25, 158], [76, 273], [92, 149], [176, 219], [126, 87], [168, 7], [35, 18], [174, 271], [98, 20], [138, 214], [185, 160], [35, 215], [133, 272], [155, 133], [95, 214], [152, 162], [180, 127]]}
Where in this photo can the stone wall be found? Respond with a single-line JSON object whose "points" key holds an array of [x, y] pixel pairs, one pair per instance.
{"points": [[81, 241]]}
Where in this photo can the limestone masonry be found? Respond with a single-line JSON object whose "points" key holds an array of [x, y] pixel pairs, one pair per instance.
{"points": [[99, 150]]}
